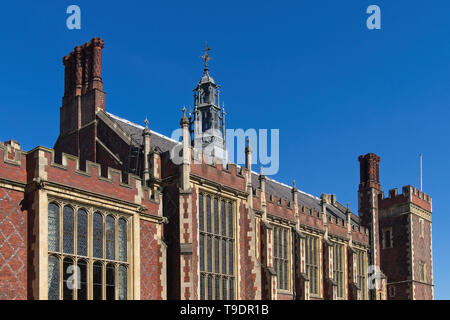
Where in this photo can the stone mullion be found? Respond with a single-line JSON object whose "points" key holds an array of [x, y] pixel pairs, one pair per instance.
{"points": [[90, 261], [331, 293], [75, 251], [104, 256]]}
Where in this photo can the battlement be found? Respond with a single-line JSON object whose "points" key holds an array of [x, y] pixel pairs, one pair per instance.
{"points": [[231, 175], [409, 194], [39, 165]]}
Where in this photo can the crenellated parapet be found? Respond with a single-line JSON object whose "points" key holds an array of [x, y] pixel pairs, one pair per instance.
{"points": [[409, 194], [230, 177], [37, 168], [12, 162]]}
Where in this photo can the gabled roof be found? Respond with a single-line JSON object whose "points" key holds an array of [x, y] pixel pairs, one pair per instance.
{"points": [[135, 132]]}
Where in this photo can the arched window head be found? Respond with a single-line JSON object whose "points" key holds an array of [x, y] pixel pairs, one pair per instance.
{"points": [[68, 228], [110, 237], [98, 235], [122, 240], [53, 227], [82, 232]]}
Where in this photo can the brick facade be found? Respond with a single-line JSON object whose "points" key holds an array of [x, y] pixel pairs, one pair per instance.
{"points": [[111, 164]]}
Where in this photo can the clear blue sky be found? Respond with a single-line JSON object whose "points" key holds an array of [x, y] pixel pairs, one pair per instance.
{"points": [[310, 68]]}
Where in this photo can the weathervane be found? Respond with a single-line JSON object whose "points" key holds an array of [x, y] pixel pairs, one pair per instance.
{"points": [[206, 57]]}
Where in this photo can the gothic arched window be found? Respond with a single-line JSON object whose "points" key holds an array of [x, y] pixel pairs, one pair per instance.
{"points": [[281, 256], [216, 239], [122, 240], [110, 237], [68, 227], [53, 227], [82, 233], [87, 253], [98, 235]]}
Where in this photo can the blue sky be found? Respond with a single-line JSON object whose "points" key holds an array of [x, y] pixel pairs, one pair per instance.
{"points": [[310, 68]]}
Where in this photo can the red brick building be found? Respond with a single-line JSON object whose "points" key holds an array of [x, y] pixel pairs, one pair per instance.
{"points": [[107, 209]]}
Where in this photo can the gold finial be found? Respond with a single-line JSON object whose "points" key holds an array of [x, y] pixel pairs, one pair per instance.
{"points": [[294, 183], [184, 111], [206, 57], [146, 122]]}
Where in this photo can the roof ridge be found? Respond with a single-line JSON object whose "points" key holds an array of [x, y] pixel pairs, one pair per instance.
{"points": [[140, 127], [285, 185], [173, 140]]}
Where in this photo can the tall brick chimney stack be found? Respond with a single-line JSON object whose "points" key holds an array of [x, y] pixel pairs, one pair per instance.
{"points": [[369, 189], [369, 171], [83, 98], [83, 68]]}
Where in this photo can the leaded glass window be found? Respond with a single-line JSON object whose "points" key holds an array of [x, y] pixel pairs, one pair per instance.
{"points": [[201, 216], [68, 230], [98, 235], [210, 287], [122, 241], [82, 232], [110, 282], [231, 285], [68, 279], [281, 256], [361, 272], [223, 216], [122, 283], [110, 237], [53, 227], [338, 268], [230, 220], [216, 247], [216, 216], [202, 287], [53, 278], [208, 214], [209, 255], [217, 288], [216, 254], [90, 242], [230, 257], [82, 293], [224, 289], [97, 280], [312, 263]]}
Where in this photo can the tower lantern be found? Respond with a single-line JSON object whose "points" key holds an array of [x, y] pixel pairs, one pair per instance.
{"points": [[209, 124]]}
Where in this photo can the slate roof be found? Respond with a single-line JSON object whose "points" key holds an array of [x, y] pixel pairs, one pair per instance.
{"points": [[273, 187], [279, 189], [135, 132]]}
